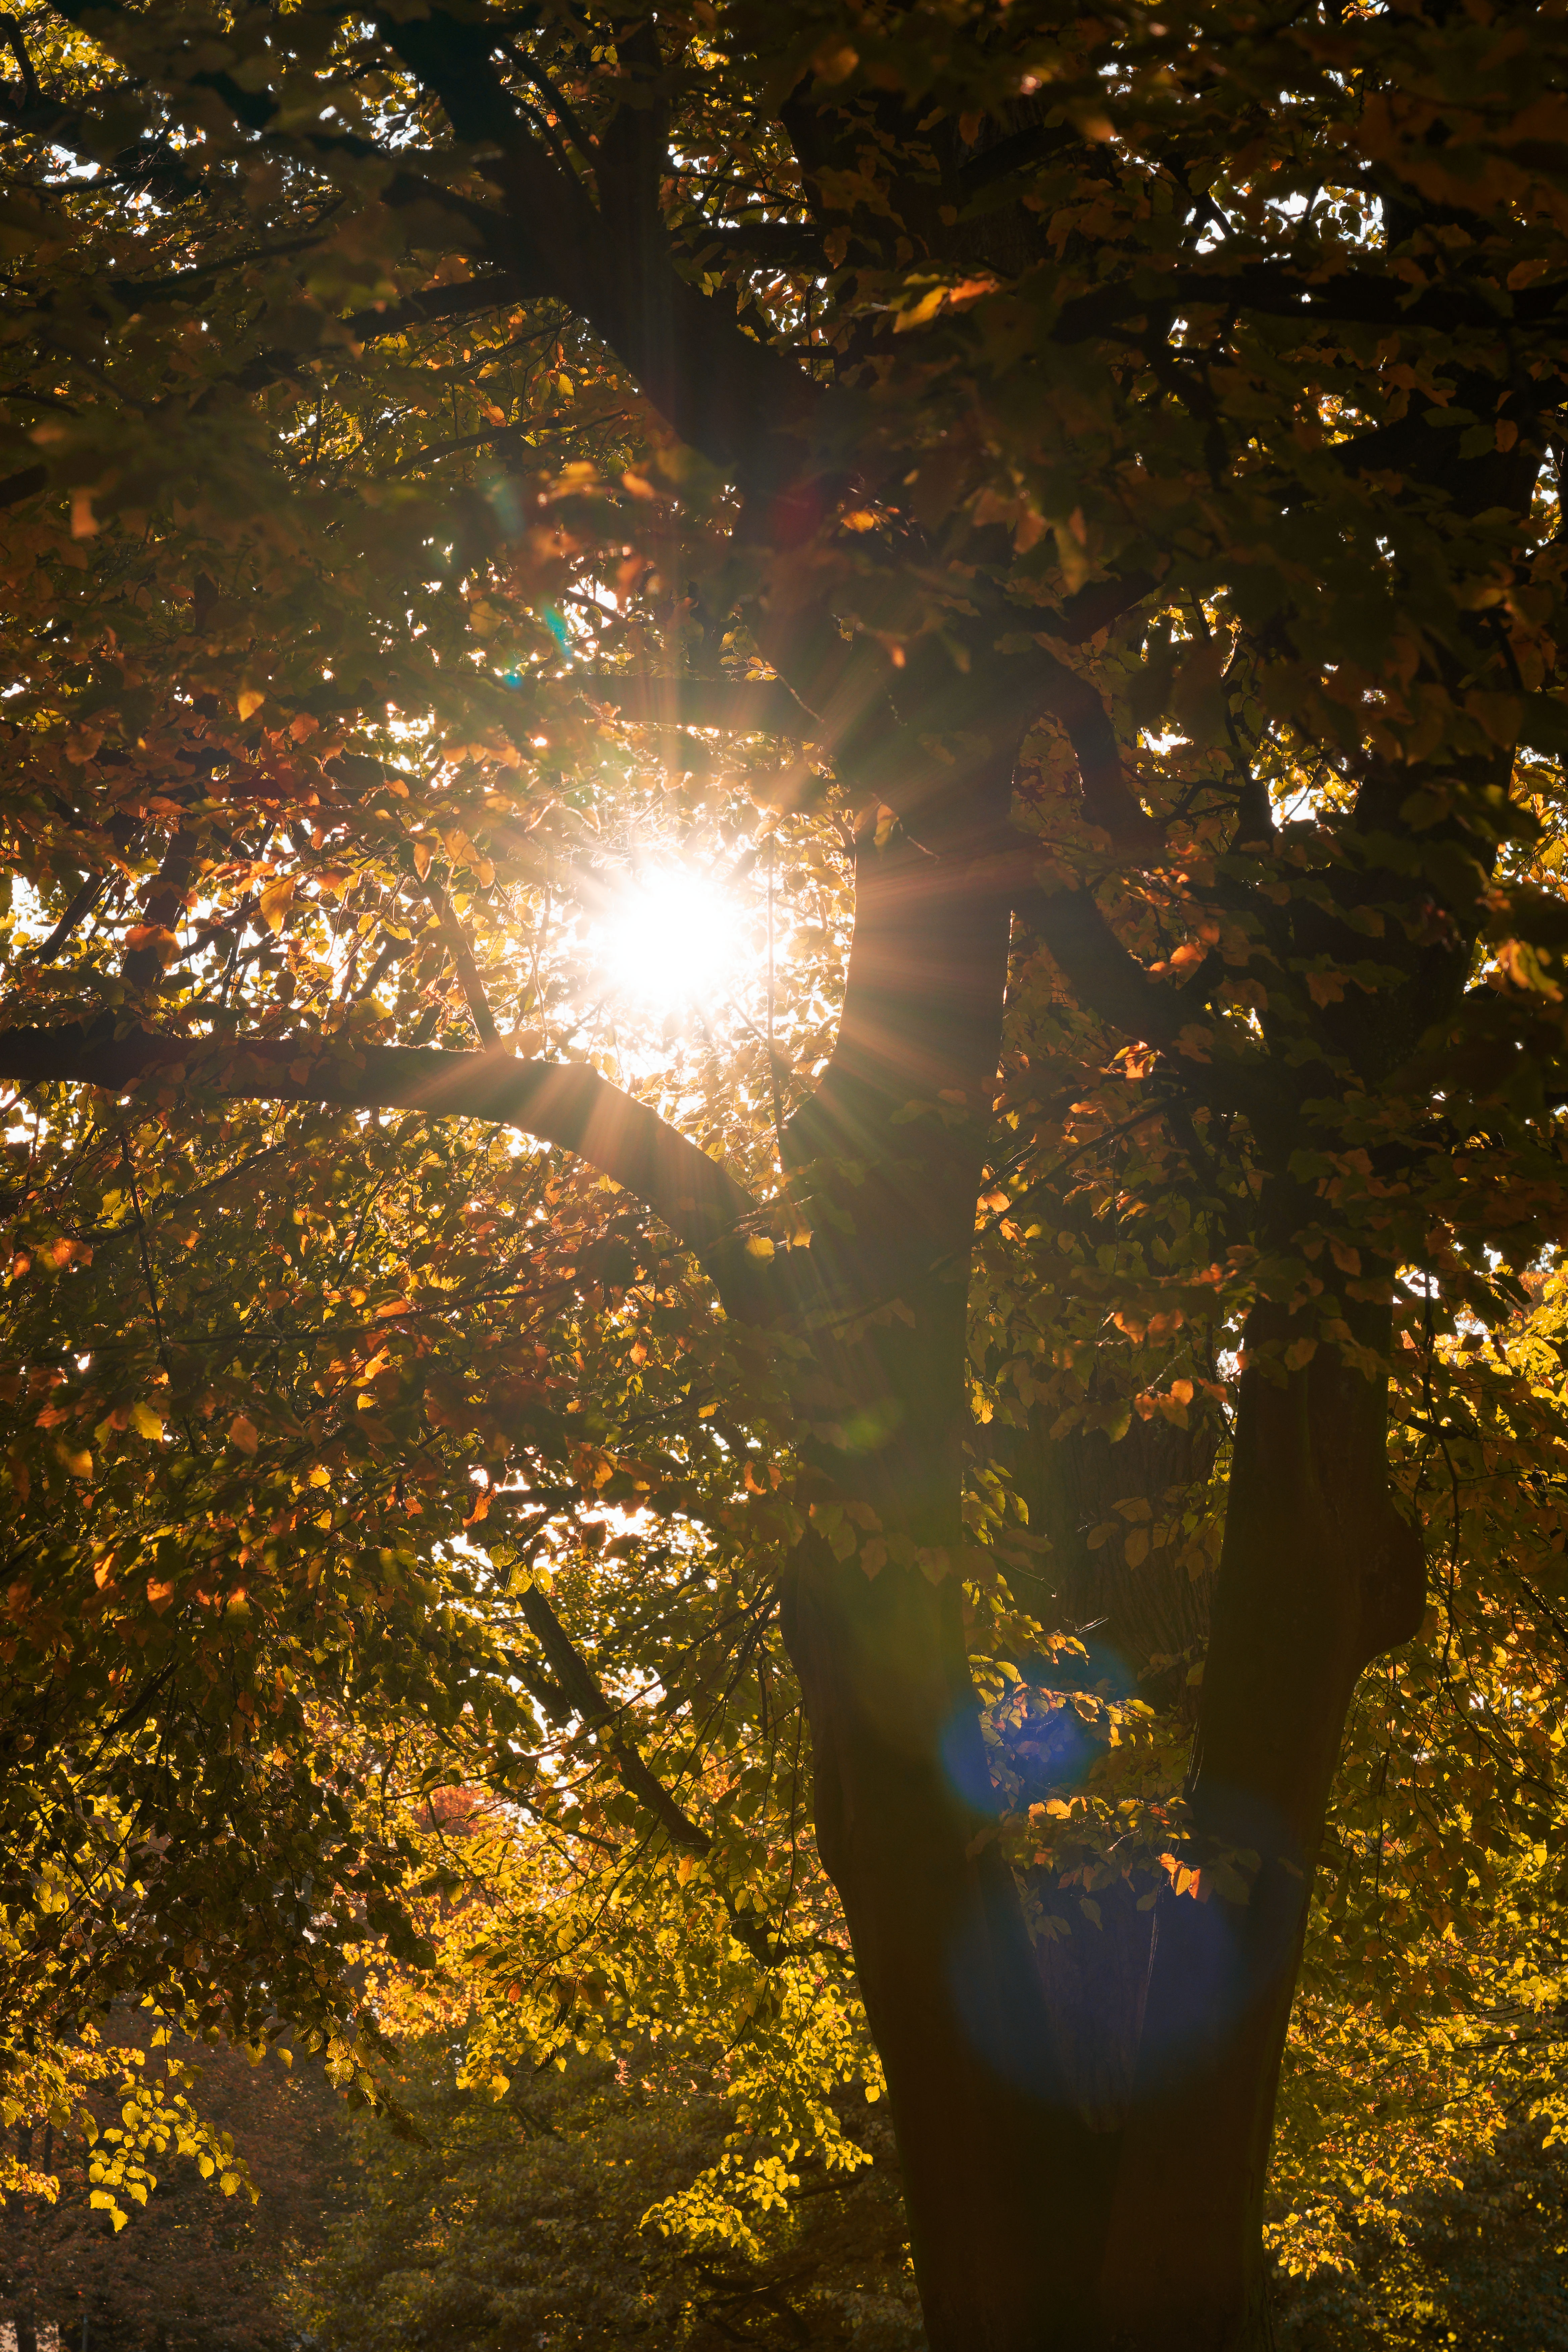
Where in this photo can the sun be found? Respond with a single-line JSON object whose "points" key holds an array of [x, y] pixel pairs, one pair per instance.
{"points": [[670, 937]]}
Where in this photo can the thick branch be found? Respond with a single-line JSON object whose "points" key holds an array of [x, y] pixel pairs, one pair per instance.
{"points": [[562, 1103], [1094, 607], [739, 403], [1281, 292], [1108, 981], [1108, 801]]}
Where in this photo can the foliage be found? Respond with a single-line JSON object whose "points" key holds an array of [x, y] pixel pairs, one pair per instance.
{"points": [[185, 2269], [525, 2217], [1479, 2263], [895, 468]]}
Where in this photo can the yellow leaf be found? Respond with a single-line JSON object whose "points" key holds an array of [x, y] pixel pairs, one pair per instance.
{"points": [[146, 1420], [275, 901], [78, 1464], [926, 308], [758, 1246], [248, 700]]}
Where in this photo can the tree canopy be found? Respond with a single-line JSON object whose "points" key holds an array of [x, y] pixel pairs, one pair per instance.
{"points": [[783, 821]]}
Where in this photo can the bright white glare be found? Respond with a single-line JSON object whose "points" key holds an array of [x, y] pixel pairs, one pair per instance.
{"points": [[669, 938]]}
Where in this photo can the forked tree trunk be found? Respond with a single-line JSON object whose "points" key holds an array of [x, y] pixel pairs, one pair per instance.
{"points": [[1084, 2135], [1042, 2219]]}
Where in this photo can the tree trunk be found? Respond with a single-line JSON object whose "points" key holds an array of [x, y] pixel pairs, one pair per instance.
{"points": [[999, 2169], [1318, 1575], [1005, 2186], [1085, 2131]]}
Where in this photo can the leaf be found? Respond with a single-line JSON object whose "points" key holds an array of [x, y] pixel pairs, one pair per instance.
{"points": [[275, 902], [916, 314], [146, 1420], [154, 938], [242, 1433], [248, 700], [835, 61]]}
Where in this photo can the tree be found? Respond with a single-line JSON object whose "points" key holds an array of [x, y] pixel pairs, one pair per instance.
{"points": [[184, 2266], [527, 2212], [1108, 453]]}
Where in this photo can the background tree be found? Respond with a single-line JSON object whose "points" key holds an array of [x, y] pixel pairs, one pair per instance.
{"points": [[184, 2267], [1110, 452]]}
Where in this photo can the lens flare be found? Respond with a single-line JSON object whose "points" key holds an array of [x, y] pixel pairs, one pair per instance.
{"points": [[670, 937]]}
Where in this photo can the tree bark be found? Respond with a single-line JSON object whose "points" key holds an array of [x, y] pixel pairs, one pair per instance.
{"points": [[1004, 2183], [1319, 1574], [1005, 2186]]}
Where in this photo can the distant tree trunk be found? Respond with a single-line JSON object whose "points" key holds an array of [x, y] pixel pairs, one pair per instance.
{"points": [[22, 2303]]}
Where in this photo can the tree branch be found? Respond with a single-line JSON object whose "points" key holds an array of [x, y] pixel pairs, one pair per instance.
{"points": [[742, 406], [563, 1103], [462, 955], [1108, 981], [1281, 292], [581, 1687], [1108, 801]]}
